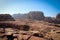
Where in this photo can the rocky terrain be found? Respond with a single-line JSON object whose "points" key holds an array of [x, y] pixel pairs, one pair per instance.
{"points": [[38, 30], [32, 26]]}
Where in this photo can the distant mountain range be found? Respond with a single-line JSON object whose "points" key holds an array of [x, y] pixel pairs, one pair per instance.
{"points": [[33, 15], [37, 15], [19, 16]]}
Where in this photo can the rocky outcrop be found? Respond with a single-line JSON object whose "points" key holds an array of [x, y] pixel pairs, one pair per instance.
{"points": [[36, 15], [6, 17], [49, 19], [58, 18]]}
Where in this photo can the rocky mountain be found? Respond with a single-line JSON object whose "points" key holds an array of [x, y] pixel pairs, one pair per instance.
{"points": [[49, 19], [19, 16], [36, 15]]}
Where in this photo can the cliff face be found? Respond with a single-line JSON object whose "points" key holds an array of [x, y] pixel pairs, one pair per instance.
{"points": [[6, 17], [37, 15]]}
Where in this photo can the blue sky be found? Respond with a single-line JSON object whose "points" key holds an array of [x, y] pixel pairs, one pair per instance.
{"points": [[49, 7]]}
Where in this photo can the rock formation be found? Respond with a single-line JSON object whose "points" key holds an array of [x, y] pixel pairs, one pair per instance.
{"points": [[6, 17], [37, 15]]}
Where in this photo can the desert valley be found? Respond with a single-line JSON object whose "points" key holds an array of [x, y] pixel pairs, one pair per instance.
{"points": [[31, 26]]}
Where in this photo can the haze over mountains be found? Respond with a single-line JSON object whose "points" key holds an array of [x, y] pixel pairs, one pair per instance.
{"points": [[37, 15], [31, 15]]}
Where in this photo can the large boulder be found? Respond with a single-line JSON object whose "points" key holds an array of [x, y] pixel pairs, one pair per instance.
{"points": [[6, 17]]}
